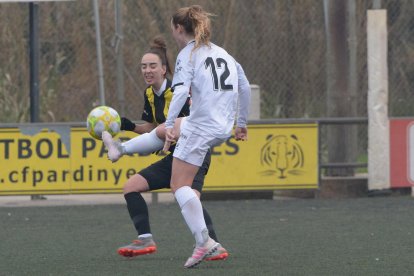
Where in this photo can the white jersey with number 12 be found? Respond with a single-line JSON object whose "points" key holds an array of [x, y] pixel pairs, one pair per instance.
{"points": [[210, 73]]}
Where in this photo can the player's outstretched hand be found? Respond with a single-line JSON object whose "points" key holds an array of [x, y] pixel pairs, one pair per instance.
{"points": [[169, 138], [240, 133]]}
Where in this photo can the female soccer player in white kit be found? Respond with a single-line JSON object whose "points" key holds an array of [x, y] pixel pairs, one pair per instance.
{"points": [[218, 86]]}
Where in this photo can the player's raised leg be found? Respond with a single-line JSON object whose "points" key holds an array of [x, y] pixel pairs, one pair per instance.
{"points": [[142, 144]]}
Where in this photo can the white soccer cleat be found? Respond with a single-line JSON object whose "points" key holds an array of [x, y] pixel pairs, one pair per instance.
{"points": [[114, 147], [200, 253]]}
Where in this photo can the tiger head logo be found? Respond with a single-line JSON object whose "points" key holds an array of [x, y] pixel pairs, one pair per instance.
{"points": [[282, 155]]}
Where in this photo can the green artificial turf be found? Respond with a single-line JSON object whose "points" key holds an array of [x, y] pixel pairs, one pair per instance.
{"points": [[362, 236]]}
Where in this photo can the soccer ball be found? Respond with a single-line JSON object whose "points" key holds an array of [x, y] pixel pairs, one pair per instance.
{"points": [[103, 118]]}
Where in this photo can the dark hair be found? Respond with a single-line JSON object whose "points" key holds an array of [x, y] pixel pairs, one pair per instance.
{"points": [[195, 21], [159, 47]]}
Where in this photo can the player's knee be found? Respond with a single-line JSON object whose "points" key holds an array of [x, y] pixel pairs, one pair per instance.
{"points": [[160, 131], [175, 187], [136, 183]]}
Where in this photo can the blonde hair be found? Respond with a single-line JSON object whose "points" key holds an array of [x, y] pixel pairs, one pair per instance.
{"points": [[195, 21]]}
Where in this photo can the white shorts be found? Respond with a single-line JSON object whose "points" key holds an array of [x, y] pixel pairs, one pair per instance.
{"points": [[192, 147]]}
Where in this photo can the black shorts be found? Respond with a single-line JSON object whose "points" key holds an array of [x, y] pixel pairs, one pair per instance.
{"points": [[158, 174]]}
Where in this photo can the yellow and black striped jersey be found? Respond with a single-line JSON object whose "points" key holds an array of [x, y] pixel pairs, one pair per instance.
{"points": [[156, 107]]}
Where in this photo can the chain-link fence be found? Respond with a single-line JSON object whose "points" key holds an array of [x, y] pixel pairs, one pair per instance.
{"points": [[283, 45], [400, 57]]}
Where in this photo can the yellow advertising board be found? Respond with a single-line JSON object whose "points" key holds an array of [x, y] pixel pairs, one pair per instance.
{"points": [[277, 156], [66, 160]]}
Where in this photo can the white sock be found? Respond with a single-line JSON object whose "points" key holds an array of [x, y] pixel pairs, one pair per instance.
{"points": [[144, 144], [193, 213]]}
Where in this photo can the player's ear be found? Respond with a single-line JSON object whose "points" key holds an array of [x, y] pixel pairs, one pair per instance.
{"points": [[180, 28]]}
